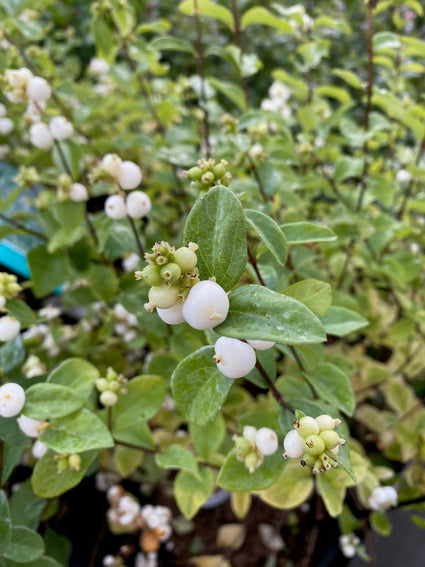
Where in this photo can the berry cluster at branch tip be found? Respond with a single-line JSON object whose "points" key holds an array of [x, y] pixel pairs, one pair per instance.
{"points": [[110, 387], [207, 174], [315, 442], [254, 444]]}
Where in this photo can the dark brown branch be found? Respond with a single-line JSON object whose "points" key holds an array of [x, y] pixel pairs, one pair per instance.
{"points": [[253, 262], [276, 394], [18, 225]]}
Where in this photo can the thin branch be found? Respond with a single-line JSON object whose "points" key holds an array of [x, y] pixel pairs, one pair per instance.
{"points": [[297, 358], [276, 394], [137, 238], [257, 178], [253, 262], [22, 227]]}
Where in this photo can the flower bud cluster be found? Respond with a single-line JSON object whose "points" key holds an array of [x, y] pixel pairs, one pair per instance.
{"points": [[207, 174], [65, 462], [110, 386], [9, 287], [125, 323], [23, 86], [315, 442], [382, 498], [348, 544], [171, 274], [12, 399], [278, 100], [253, 445], [6, 124]]}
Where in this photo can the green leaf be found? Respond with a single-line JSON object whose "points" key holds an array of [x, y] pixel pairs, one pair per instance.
{"points": [[14, 443], [340, 321], [303, 232], [314, 294], [25, 506], [385, 40], [349, 77], [217, 224], [380, 524], [292, 487], [190, 493], [261, 16], [208, 8], [19, 309], [337, 93], [48, 483], [347, 167], [333, 386], [235, 476], [104, 281], [143, 399], [199, 388], [50, 401], [331, 486], [260, 313], [177, 457], [48, 271], [230, 90], [170, 43], [12, 353], [42, 561], [25, 545], [65, 237], [77, 374], [5, 523], [208, 438], [78, 432], [127, 460], [270, 233]]}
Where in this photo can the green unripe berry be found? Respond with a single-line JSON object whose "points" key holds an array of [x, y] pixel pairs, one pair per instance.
{"points": [[251, 461], [163, 296], [330, 438], [152, 275], [114, 386], [219, 170], [74, 462], [242, 447], [185, 258], [308, 460], [306, 426], [62, 464], [108, 398], [195, 173], [314, 445], [208, 178], [102, 384], [171, 272], [161, 260]]}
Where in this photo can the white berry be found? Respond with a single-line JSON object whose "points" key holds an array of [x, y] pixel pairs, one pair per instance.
{"points": [[12, 399], [233, 357], [206, 306], [39, 449], [294, 445], [6, 126], [138, 204], [29, 426], [112, 164], [382, 498], [250, 432], [60, 128], [261, 345], [38, 89], [78, 192], [40, 136], [130, 175], [9, 328], [115, 207], [266, 441], [173, 315]]}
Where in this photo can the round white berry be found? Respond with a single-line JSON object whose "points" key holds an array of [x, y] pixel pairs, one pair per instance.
{"points": [[38, 89], [138, 204], [326, 422], [382, 498], [40, 136], [60, 128], [9, 328], [78, 192], [294, 445], [39, 449], [250, 432], [266, 441], [12, 399], [30, 427], [173, 315], [112, 164], [98, 66], [108, 398], [3, 110], [261, 345], [206, 306], [18, 78], [130, 175], [115, 207], [234, 358], [6, 126], [2, 301]]}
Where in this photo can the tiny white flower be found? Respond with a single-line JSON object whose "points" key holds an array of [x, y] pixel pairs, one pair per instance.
{"points": [[12, 399], [40, 136], [60, 128]]}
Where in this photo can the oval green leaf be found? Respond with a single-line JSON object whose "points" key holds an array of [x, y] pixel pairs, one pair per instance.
{"points": [[234, 475], [190, 493], [25, 545], [270, 234], [303, 232], [208, 8], [5, 523], [314, 294], [77, 374], [177, 457], [292, 488], [340, 321], [334, 386], [217, 225], [51, 401]]}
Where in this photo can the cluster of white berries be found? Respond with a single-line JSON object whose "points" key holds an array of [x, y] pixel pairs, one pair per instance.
{"points": [[110, 386], [382, 498], [25, 87], [99, 68], [12, 399], [127, 175], [125, 323], [34, 428], [9, 288], [43, 135], [348, 544], [278, 100], [315, 442], [6, 124], [254, 445]]}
